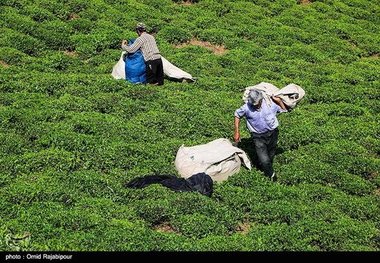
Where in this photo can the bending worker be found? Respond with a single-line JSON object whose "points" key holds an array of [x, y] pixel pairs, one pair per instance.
{"points": [[147, 44]]}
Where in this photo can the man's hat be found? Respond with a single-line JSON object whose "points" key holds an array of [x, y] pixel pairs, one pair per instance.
{"points": [[255, 96], [141, 26]]}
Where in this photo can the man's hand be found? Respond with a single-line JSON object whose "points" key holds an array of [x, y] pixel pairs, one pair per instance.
{"points": [[237, 136], [279, 102], [124, 42], [275, 99]]}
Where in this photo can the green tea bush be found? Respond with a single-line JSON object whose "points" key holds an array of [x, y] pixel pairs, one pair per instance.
{"points": [[91, 14], [355, 185], [95, 123], [13, 56], [341, 235], [307, 53], [181, 1], [58, 61], [76, 6], [338, 50], [277, 211], [196, 203], [13, 143], [24, 43], [107, 156], [58, 160], [235, 242], [371, 144], [164, 241], [204, 22], [50, 85], [323, 170], [37, 13], [18, 22], [278, 7], [82, 234], [59, 137], [215, 35], [57, 8], [359, 208], [81, 25], [349, 155], [367, 70], [198, 226], [354, 12], [34, 187], [156, 211], [84, 44], [55, 34], [368, 44], [279, 237], [72, 135], [313, 171], [175, 35], [15, 3], [121, 235], [103, 59], [14, 120], [250, 9], [89, 183], [244, 195]]}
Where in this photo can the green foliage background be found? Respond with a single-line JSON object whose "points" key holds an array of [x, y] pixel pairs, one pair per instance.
{"points": [[71, 135]]}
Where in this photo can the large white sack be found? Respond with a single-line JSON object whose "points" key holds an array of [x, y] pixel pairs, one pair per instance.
{"points": [[174, 72], [118, 70], [290, 94], [267, 88], [219, 159]]}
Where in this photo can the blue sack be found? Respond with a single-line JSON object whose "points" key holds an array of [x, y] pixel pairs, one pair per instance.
{"points": [[135, 69]]}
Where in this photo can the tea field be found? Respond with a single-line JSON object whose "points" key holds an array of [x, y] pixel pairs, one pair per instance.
{"points": [[71, 136]]}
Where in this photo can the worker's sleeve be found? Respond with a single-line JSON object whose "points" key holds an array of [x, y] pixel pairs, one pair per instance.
{"points": [[134, 47], [241, 111]]}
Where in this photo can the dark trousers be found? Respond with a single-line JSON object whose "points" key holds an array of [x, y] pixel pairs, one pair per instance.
{"points": [[154, 72], [265, 145]]}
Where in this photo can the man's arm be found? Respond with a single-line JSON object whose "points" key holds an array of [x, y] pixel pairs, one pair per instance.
{"points": [[279, 102], [237, 132], [132, 48]]}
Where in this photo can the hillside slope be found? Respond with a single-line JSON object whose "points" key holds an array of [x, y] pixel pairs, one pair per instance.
{"points": [[71, 135]]}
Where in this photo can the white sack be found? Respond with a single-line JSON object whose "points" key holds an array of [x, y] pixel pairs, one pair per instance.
{"points": [[290, 94], [174, 72], [219, 159], [118, 71]]}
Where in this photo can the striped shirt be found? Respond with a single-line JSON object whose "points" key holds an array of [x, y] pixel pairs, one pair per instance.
{"points": [[148, 47]]}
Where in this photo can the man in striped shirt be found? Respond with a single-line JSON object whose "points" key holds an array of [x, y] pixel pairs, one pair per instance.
{"points": [[147, 44]]}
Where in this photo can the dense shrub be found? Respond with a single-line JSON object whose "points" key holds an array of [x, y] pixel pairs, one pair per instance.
{"points": [[22, 42], [72, 136], [198, 226], [175, 35], [55, 34], [81, 25], [214, 35], [12, 56], [37, 13]]}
